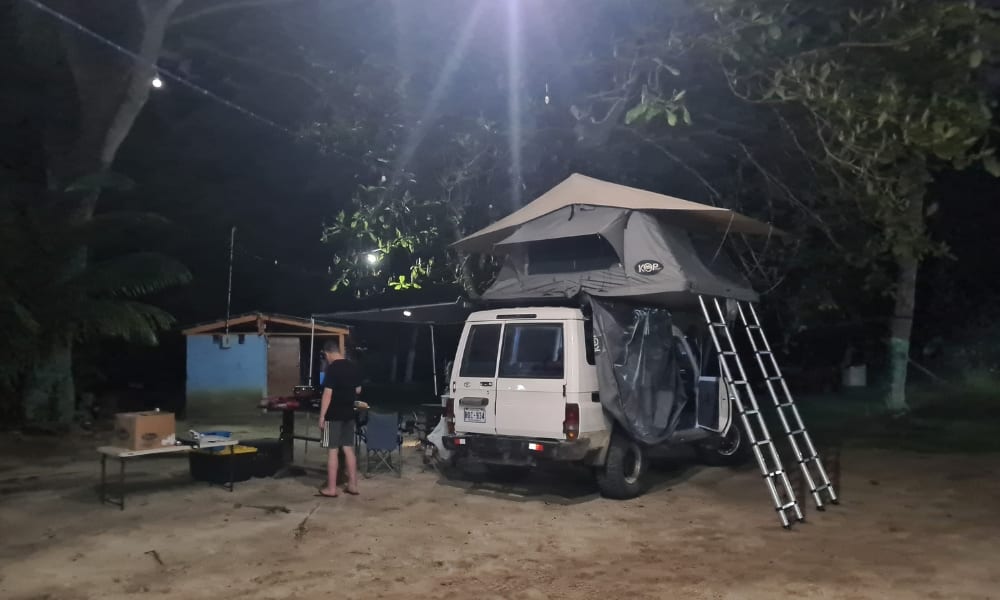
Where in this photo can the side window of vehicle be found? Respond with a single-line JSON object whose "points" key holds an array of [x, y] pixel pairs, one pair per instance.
{"points": [[590, 341], [481, 348]]}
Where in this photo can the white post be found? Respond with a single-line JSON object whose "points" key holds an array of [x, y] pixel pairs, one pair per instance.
{"points": [[312, 347], [434, 362]]}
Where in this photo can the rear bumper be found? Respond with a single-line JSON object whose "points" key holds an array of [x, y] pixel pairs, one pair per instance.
{"points": [[496, 449]]}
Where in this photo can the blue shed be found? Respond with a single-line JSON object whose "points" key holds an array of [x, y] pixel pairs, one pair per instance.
{"points": [[233, 364]]}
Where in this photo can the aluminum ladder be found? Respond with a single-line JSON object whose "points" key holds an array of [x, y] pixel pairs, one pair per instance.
{"points": [[791, 421], [764, 448]]}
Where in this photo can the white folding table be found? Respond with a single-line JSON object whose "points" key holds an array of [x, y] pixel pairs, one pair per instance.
{"points": [[123, 454]]}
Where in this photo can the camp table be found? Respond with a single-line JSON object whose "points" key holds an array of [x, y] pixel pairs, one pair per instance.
{"points": [[124, 454]]}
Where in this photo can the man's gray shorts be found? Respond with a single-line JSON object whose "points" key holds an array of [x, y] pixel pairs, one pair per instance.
{"points": [[338, 434]]}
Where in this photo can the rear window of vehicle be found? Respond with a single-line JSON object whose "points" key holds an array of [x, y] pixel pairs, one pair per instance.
{"points": [[532, 351], [480, 359]]}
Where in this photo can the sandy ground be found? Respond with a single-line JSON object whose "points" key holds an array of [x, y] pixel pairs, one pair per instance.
{"points": [[910, 526]]}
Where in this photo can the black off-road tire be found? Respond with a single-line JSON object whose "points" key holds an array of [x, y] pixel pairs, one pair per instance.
{"points": [[623, 475]]}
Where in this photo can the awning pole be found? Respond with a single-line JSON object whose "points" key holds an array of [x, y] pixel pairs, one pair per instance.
{"points": [[434, 361], [312, 347]]}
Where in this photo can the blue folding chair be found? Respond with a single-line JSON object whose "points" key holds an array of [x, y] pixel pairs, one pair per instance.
{"points": [[382, 442]]}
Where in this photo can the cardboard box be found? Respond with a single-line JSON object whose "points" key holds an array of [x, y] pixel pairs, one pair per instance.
{"points": [[145, 430]]}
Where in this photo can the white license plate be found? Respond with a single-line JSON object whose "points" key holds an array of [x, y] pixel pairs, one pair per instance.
{"points": [[475, 415]]}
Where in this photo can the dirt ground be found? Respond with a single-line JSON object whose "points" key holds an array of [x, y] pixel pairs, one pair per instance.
{"points": [[910, 526]]}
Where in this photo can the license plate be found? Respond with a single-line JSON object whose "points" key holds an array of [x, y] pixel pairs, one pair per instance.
{"points": [[475, 415]]}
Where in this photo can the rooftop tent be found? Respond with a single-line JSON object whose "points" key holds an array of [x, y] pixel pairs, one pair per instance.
{"points": [[587, 236], [613, 253]]}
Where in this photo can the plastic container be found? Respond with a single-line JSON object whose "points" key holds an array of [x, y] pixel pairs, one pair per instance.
{"points": [[212, 466], [269, 459]]}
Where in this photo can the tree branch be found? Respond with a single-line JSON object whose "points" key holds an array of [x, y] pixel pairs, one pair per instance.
{"points": [[249, 62], [222, 7], [681, 163]]}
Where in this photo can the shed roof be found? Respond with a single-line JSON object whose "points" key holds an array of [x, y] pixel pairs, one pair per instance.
{"points": [[269, 323]]}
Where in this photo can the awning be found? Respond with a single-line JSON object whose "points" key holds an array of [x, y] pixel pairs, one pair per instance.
{"points": [[444, 313], [579, 189], [573, 221]]}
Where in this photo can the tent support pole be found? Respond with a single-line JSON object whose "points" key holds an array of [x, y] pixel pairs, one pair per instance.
{"points": [[434, 361], [312, 347]]}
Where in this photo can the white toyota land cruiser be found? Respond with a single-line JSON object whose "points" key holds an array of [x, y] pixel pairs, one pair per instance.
{"points": [[524, 389]]}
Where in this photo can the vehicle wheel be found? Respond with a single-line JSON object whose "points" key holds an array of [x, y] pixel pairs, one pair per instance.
{"points": [[731, 450], [507, 473], [623, 475]]}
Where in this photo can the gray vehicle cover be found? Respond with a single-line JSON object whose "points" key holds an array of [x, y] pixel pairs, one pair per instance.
{"points": [[637, 366]]}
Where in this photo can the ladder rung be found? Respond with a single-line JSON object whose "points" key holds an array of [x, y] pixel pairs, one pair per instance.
{"points": [[751, 412], [765, 352], [797, 431], [759, 443], [773, 474], [825, 486], [787, 506], [774, 378], [753, 326], [785, 405]]}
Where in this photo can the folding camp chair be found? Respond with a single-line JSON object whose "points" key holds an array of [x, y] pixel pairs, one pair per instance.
{"points": [[383, 439]]}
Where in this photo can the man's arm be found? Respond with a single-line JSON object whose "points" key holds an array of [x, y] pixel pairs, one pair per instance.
{"points": [[324, 405]]}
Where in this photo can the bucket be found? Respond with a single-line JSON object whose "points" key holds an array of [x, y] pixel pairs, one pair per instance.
{"points": [[856, 376]]}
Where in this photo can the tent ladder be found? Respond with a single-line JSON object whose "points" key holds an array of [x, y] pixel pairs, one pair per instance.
{"points": [[754, 426], [801, 442]]}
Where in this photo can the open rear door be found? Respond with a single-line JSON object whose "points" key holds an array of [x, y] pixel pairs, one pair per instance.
{"points": [[474, 386]]}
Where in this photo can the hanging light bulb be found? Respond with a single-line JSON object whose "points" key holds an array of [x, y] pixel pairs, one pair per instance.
{"points": [[156, 82]]}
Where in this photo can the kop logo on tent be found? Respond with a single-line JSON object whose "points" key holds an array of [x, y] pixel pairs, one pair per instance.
{"points": [[648, 267]]}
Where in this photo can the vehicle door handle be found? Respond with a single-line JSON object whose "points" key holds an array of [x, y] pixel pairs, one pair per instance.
{"points": [[474, 401]]}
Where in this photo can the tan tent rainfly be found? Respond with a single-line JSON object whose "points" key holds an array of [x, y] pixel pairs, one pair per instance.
{"points": [[580, 189]]}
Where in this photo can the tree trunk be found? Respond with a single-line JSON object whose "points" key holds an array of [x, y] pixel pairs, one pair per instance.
{"points": [[901, 325], [411, 356]]}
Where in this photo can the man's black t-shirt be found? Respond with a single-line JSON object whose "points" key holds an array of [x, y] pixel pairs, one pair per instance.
{"points": [[343, 378]]}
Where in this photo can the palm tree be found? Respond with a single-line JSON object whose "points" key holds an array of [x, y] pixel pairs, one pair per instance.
{"points": [[65, 282]]}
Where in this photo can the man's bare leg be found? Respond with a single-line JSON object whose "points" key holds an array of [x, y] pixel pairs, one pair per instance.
{"points": [[352, 469], [331, 473]]}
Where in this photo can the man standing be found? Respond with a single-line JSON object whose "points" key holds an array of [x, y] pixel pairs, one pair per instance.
{"points": [[341, 386]]}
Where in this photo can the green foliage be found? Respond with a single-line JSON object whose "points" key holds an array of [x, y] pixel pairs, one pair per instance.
{"points": [[384, 232], [879, 94]]}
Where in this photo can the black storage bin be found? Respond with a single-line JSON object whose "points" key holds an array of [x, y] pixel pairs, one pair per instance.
{"points": [[268, 459], [214, 467]]}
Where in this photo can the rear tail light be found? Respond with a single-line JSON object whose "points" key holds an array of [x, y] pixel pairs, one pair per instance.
{"points": [[449, 415], [571, 426]]}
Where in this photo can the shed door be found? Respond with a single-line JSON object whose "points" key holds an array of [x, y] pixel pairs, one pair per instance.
{"points": [[282, 365]]}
